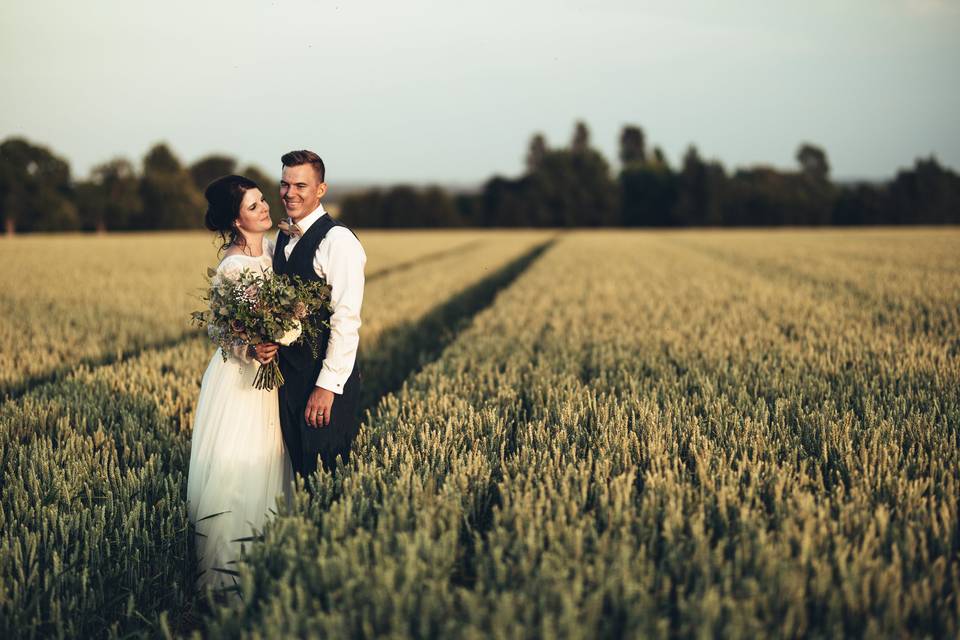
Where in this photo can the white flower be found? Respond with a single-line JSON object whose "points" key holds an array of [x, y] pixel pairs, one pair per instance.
{"points": [[291, 335]]}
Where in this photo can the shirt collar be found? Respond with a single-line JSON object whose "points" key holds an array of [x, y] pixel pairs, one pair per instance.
{"points": [[311, 217]]}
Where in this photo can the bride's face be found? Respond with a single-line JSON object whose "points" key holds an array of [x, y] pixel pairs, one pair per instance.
{"points": [[254, 213]]}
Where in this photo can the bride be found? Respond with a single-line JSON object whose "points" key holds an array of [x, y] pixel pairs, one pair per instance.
{"points": [[238, 463]]}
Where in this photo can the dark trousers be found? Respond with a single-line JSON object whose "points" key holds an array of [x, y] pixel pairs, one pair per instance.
{"points": [[305, 444]]}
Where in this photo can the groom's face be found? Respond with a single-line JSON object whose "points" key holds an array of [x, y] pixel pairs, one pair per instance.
{"points": [[301, 190]]}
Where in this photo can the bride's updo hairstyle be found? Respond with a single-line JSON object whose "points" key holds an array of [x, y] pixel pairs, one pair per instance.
{"points": [[224, 196]]}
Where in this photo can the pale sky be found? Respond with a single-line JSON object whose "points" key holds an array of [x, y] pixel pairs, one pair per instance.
{"points": [[419, 90]]}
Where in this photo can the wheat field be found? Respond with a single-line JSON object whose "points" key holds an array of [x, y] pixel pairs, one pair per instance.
{"points": [[612, 434]]}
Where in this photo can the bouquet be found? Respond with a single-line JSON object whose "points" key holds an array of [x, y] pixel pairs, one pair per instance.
{"points": [[264, 307]]}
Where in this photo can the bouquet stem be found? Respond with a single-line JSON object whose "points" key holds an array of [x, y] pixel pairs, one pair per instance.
{"points": [[268, 376]]}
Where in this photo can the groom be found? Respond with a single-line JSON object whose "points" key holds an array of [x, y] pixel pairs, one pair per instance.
{"points": [[319, 400]]}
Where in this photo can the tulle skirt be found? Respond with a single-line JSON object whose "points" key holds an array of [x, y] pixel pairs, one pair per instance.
{"points": [[238, 466]]}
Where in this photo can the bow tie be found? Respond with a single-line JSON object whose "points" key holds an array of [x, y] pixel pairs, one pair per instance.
{"points": [[290, 228]]}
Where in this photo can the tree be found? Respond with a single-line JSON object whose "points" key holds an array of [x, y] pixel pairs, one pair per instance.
{"points": [[813, 162], [512, 203], [111, 198], [363, 209], [659, 159], [581, 138], [573, 190], [632, 146], [402, 206], [926, 194], [170, 199], [700, 191], [438, 209], [648, 195], [862, 204], [209, 168], [35, 189], [536, 152], [160, 159]]}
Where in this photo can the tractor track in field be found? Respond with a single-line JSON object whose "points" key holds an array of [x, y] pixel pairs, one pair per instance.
{"points": [[406, 348]]}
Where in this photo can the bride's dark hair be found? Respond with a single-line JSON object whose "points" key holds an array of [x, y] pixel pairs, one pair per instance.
{"points": [[224, 196]]}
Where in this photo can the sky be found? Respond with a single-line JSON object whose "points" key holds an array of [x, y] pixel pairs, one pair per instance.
{"points": [[451, 92]]}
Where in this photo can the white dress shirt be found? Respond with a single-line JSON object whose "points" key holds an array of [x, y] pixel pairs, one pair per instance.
{"points": [[339, 260]]}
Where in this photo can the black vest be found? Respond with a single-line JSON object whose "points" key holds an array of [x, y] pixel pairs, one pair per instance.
{"points": [[298, 356]]}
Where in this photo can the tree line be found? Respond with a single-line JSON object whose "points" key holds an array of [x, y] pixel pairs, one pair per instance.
{"points": [[570, 186], [575, 186], [38, 194]]}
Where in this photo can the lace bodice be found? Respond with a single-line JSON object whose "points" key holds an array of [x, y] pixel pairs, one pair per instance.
{"points": [[233, 265]]}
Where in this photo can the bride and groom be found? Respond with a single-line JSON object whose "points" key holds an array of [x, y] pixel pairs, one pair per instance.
{"points": [[247, 443]]}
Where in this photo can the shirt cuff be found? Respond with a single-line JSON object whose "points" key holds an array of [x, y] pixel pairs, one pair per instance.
{"points": [[330, 382]]}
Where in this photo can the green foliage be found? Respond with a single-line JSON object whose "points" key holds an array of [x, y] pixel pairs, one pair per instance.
{"points": [[35, 189], [400, 207], [170, 199], [209, 168], [562, 188], [111, 198], [649, 195], [254, 308]]}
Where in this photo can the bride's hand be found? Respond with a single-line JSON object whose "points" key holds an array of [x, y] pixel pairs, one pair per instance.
{"points": [[266, 352]]}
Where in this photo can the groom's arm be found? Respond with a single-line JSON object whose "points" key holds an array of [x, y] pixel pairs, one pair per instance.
{"points": [[341, 262]]}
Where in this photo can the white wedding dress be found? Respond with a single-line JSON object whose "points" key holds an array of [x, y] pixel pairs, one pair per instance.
{"points": [[239, 465]]}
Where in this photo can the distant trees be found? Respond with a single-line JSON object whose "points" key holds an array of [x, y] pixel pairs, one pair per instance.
{"points": [[37, 193], [574, 186], [209, 168], [571, 186], [536, 152], [648, 188], [402, 206], [700, 187], [926, 194], [111, 198], [170, 198], [580, 144], [568, 187], [35, 189]]}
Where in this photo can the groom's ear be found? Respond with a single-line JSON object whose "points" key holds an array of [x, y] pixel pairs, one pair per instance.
{"points": [[322, 189]]}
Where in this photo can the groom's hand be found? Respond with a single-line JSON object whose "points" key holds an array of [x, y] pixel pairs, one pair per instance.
{"points": [[319, 406], [265, 352]]}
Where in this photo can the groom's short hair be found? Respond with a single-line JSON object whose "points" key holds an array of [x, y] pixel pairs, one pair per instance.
{"points": [[297, 158]]}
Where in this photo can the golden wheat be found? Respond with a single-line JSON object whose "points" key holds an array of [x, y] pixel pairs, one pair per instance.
{"points": [[733, 434]]}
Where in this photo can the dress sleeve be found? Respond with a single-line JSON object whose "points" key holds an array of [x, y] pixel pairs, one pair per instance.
{"points": [[229, 269]]}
